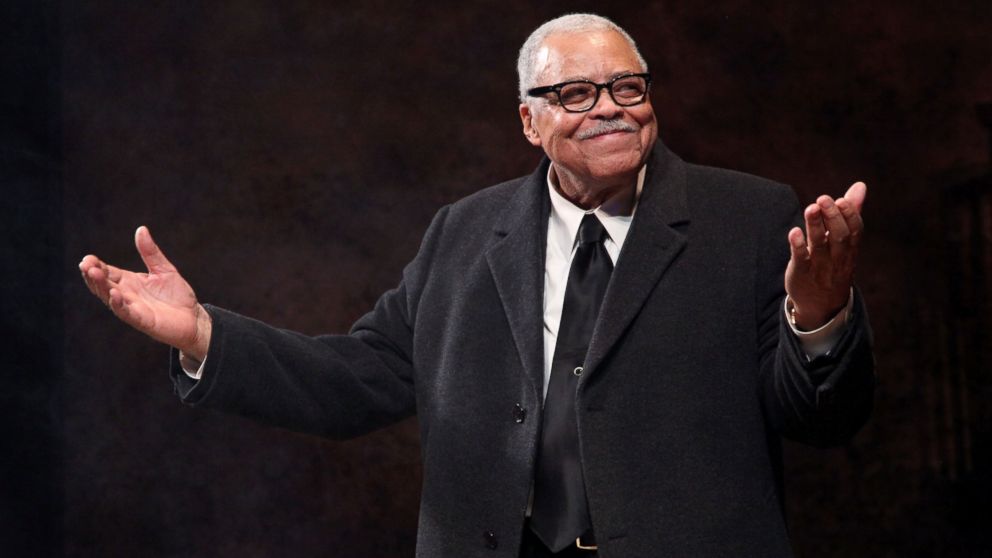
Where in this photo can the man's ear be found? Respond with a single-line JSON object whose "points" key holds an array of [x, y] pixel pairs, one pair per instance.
{"points": [[527, 119]]}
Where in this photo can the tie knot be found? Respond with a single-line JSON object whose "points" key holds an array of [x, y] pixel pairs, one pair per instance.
{"points": [[591, 230]]}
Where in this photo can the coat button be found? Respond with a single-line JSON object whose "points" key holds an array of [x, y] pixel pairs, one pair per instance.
{"points": [[490, 538], [519, 413]]}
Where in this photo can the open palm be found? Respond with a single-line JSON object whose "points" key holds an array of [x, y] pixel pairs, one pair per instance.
{"points": [[820, 272], [159, 303]]}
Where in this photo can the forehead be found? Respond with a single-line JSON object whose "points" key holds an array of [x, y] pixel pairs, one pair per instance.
{"points": [[595, 55]]}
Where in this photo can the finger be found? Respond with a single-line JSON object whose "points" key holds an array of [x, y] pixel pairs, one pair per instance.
{"points": [[833, 220], [119, 306], [816, 232], [115, 299], [91, 261], [113, 273], [852, 217], [110, 272], [96, 276], [99, 277], [90, 284], [154, 259], [100, 284], [856, 195], [129, 309], [836, 226], [87, 262], [799, 251]]}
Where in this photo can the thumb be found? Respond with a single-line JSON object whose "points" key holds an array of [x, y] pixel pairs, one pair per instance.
{"points": [[154, 259]]}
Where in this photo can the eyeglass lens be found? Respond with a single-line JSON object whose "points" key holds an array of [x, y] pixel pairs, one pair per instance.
{"points": [[626, 91]]}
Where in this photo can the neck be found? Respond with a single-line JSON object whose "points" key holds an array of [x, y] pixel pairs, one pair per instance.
{"points": [[616, 196]]}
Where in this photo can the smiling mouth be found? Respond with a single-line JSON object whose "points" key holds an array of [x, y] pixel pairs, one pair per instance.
{"points": [[616, 135]]}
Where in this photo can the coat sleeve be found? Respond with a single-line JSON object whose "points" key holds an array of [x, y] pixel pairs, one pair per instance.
{"points": [[823, 401], [337, 386]]}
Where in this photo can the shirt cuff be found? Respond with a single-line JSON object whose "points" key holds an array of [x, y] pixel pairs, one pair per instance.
{"points": [[821, 340], [191, 367]]}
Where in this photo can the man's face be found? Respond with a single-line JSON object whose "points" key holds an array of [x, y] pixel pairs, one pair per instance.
{"points": [[597, 56]]}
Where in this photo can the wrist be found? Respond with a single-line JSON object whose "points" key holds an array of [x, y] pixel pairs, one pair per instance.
{"points": [[804, 318], [197, 350]]}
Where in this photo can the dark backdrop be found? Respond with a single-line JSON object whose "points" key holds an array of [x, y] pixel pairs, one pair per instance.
{"points": [[288, 155]]}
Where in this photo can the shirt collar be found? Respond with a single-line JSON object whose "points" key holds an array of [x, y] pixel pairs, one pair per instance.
{"points": [[566, 216]]}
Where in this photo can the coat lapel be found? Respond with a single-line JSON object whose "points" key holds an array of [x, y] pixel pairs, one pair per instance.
{"points": [[650, 248], [516, 261]]}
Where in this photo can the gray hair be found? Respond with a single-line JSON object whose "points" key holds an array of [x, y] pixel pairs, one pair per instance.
{"points": [[570, 23]]}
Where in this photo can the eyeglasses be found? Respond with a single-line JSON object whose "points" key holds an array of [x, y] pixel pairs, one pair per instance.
{"points": [[581, 95]]}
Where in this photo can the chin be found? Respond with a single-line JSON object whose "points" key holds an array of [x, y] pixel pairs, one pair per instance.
{"points": [[616, 166]]}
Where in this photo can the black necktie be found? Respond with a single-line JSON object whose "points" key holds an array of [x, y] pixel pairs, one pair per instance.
{"points": [[560, 513]]}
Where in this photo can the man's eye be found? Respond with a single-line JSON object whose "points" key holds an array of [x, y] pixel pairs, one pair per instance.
{"points": [[631, 88], [575, 93]]}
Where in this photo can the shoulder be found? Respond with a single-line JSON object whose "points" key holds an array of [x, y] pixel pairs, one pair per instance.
{"points": [[462, 232], [482, 210], [488, 201], [464, 224]]}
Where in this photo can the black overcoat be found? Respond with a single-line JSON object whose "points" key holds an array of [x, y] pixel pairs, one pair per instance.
{"points": [[691, 380]]}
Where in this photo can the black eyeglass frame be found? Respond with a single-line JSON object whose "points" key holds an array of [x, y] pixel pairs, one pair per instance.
{"points": [[608, 86]]}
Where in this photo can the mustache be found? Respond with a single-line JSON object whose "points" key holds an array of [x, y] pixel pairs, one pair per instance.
{"points": [[606, 127]]}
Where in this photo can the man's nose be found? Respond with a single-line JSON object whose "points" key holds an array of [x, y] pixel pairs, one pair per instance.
{"points": [[605, 106]]}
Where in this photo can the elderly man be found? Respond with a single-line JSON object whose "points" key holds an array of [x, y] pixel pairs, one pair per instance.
{"points": [[603, 355]]}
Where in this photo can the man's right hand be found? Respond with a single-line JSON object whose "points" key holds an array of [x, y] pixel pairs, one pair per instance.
{"points": [[159, 303]]}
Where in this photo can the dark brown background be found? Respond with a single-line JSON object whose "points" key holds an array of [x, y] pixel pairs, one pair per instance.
{"points": [[289, 154]]}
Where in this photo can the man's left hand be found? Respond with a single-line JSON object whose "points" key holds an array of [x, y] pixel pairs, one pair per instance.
{"points": [[820, 273]]}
